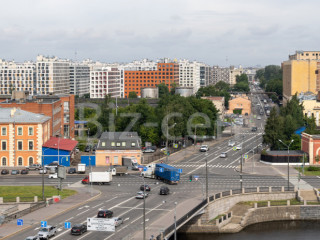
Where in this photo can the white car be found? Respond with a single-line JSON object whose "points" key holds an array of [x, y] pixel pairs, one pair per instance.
{"points": [[47, 232], [204, 148], [53, 175], [258, 118], [223, 155], [231, 143], [238, 147]]}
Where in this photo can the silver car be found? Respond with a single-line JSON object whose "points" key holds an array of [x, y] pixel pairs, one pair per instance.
{"points": [[47, 232], [32, 238], [140, 195], [117, 221]]}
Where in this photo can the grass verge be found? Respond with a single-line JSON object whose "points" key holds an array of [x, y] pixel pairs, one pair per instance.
{"points": [[308, 173], [27, 193]]}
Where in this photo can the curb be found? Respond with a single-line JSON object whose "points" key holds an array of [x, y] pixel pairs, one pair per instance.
{"points": [[68, 209]]}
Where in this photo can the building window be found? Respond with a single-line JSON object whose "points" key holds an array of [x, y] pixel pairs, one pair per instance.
{"points": [[65, 107], [4, 161], [66, 130], [19, 131], [30, 161], [20, 146], [4, 131], [30, 131], [115, 160], [113, 144], [133, 144], [3, 145], [118, 144], [20, 161], [30, 144], [123, 144], [103, 144]]}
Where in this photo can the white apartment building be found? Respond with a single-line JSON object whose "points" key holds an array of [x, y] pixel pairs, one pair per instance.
{"points": [[17, 76], [189, 74], [104, 81], [53, 75], [79, 79]]}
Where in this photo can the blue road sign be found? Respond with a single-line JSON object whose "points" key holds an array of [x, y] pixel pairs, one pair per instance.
{"points": [[180, 170], [20, 222], [145, 169], [195, 176], [67, 225], [161, 169], [43, 223]]}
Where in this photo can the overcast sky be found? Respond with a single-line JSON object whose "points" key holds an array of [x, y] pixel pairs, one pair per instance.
{"points": [[229, 32]]}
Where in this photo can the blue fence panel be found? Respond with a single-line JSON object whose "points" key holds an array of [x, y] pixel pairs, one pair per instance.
{"points": [[50, 155], [86, 160]]}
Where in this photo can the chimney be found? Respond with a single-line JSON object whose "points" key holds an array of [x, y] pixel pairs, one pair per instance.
{"points": [[12, 112]]}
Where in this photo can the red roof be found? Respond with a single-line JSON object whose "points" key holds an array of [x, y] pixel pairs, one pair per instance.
{"points": [[214, 98], [61, 143]]}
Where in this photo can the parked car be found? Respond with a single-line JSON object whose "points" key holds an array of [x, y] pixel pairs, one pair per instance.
{"points": [[43, 171], [78, 229], [254, 129], [88, 148], [146, 187], [258, 118], [104, 214], [141, 195], [47, 232], [238, 147], [204, 148], [24, 171], [117, 221], [164, 190], [34, 167], [32, 238], [148, 150], [231, 143], [53, 175], [4, 172], [15, 172], [72, 170], [223, 155]]}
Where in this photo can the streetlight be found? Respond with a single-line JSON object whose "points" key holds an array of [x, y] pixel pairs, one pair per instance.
{"points": [[42, 163], [167, 150], [288, 146], [206, 158], [175, 220], [195, 137]]}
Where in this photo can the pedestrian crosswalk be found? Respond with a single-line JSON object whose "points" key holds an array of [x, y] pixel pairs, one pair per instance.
{"points": [[203, 165]]}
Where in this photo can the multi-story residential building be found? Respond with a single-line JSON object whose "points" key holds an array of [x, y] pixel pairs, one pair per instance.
{"points": [[22, 136], [79, 79], [205, 75], [53, 75], [227, 75], [105, 81], [17, 76], [60, 109], [301, 73], [167, 72]]}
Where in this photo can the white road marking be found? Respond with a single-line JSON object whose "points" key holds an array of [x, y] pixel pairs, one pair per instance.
{"points": [[68, 219], [82, 212]]}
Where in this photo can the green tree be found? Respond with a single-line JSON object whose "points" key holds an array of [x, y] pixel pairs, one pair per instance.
{"points": [[222, 86], [133, 94], [241, 87], [311, 127], [242, 78], [272, 72], [163, 90]]}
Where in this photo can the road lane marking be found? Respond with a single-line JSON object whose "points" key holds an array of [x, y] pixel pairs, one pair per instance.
{"points": [[83, 212]]}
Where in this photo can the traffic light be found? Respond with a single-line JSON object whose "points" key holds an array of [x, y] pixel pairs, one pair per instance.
{"points": [[190, 178]]}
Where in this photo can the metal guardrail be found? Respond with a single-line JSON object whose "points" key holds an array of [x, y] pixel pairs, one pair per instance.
{"points": [[218, 196]]}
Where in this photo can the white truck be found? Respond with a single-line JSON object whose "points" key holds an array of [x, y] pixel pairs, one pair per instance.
{"points": [[81, 168], [118, 170], [149, 173], [130, 162], [98, 178]]}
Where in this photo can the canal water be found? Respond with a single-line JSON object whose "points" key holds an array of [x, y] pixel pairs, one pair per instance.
{"points": [[284, 230]]}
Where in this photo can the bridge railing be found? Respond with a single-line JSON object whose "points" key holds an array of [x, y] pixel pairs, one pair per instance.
{"points": [[219, 195]]}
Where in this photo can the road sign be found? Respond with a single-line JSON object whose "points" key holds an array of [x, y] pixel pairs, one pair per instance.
{"points": [[67, 225], [175, 145], [19, 222], [196, 177], [43, 223], [245, 156], [145, 169], [101, 224], [234, 148], [180, 170], [161, 169]]}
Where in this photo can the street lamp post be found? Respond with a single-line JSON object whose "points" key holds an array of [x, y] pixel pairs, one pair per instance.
{"points": [[206, 158], [288, 146], [167, 150], [175, 220]]}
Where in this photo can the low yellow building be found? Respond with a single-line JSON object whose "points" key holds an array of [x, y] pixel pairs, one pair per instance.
{"points": [[312, 109], [113, 146], [240, 103], [218, 102]]}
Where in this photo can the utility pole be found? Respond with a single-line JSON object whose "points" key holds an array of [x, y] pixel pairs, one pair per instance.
{"points": [[207, 185]]}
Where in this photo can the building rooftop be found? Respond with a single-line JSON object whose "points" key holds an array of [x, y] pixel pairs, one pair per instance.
{"points": [[214, 98], [16, 115], [61, 143], [119, 141]]}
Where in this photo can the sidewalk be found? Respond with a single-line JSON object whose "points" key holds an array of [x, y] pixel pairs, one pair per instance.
{"points": [[33, 219], [168, 219]]}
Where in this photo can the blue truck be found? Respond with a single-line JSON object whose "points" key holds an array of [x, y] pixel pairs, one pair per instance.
{"points": [[167, 173]]}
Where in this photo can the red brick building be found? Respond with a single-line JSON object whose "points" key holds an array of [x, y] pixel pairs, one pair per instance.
{"points": [[167, 73], [60, 108], [310, 144]]}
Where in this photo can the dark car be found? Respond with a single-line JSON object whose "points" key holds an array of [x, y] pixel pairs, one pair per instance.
{"points": [[254, 129], [4, 172], [72, 170], [146, 187], [24, 171], [78, 229], [88, 148], [15, 172], [105, 214], [94, 148], [164, 190]]}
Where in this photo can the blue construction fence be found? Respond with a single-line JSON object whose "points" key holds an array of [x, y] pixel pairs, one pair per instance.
{"points": [[50, 155], [88, 159]]}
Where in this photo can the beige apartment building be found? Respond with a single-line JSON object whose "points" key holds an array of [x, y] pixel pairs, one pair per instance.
{"points": [[301, 73]]}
